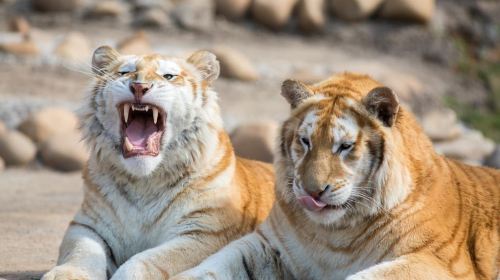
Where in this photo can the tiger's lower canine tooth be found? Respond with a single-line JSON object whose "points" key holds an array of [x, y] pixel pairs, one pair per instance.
{"points": [[126, 109], [155, 115], [128, 145]]}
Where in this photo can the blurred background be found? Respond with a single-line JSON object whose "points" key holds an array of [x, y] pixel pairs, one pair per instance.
{"points": [[441, 57]]}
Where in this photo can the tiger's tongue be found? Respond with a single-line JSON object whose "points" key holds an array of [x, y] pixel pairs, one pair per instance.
{"points": [[139, 130]]}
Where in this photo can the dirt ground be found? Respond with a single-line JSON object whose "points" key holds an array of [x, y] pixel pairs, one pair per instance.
{"points": [[35, 208]]}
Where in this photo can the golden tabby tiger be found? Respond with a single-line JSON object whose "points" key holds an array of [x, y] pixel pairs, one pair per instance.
{"points": [[361, 194], [163, 188]]}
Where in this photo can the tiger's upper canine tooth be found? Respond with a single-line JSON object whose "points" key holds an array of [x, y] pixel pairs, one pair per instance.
{"points": [[126, 109], [155, 115]]}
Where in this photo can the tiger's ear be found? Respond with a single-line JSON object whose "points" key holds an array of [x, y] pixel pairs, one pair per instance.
{"points": [[207, 64], [383, 103], [102, 57], [295, 92]]}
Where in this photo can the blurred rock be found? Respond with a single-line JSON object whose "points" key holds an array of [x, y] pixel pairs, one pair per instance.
{"points": [[441, 125], [273, 14], [234, 64], [74, 47], [494, 159], [56, 5], [404, 85], [64, 152], [471, 146], [19, 24], [3, 128], [2, 165], [137, 44], [354, 9], [47, 122], [196, 15], [16, 148], [24, 48], [155, 18], [410, 10], [141, 5], [107, 9], [311, 15], [233, 9], [255, 141]]}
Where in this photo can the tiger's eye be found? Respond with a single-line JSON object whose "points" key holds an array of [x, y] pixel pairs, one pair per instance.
{"points": [[168, 77], [305, 141], [345, 146]]}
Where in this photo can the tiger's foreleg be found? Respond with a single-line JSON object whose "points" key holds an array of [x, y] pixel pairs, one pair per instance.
{"points": [[249, 257], [414, 267], [83, 255]]}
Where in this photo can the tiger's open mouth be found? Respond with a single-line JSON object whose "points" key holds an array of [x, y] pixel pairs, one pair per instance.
{"points": [[142, 128]]}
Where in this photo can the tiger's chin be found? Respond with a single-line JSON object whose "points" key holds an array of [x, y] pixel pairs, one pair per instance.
{"points": [[327, 216], [141, 166]]}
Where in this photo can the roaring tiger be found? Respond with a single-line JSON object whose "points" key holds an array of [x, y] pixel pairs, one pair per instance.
{"points": [[163, 187], [361, 194]]}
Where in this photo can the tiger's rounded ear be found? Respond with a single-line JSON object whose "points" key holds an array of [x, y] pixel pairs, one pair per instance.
{"points": [[207, 64], [295, 92], [102, 57], [383, 103]]}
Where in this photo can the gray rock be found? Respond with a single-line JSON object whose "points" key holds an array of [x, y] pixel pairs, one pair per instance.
{"points": [[441, 125], [273, 14], [2, 165], [410, 10], [137, 44], [255, 141], [56, 5], [471, 146], [494, 159], [155, 18], [234, 64], [49, 121], [233, 9], [64, 152], [311, 15], [107, 9], [16, 148], [354, 9], [74, 47], [196, 15]]}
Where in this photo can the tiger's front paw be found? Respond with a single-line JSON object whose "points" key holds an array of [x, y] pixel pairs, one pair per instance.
{"points": [[138, 269], [66, 272], [362, 276], [196, 274]]}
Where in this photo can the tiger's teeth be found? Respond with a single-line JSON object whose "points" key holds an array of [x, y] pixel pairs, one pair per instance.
{"points": [[128, 145], [155, 115], [147, 108], [126, 109]]}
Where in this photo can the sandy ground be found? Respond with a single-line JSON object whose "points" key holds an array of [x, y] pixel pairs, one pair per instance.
{"points": [[35, 208]]}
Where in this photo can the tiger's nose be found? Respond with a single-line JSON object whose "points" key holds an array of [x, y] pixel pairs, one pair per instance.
{"points": [[139, 90], [318, 192]]}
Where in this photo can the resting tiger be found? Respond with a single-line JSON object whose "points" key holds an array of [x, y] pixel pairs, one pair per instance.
{"points": [[163, 188], [361, 194]]}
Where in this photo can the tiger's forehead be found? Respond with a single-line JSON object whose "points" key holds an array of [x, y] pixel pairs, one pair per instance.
{"points": [[333, 118], [155, 62]]}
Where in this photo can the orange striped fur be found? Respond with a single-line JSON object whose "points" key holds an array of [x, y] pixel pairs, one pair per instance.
{"points": [[151, 217], [410, 213]]}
